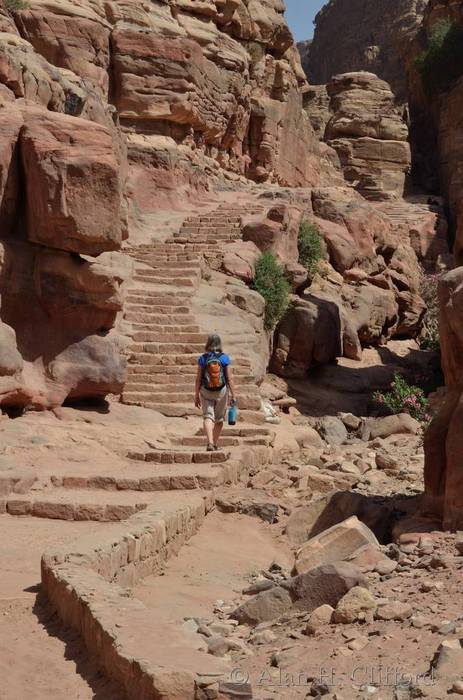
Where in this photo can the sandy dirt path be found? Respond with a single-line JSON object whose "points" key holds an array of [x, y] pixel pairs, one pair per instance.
{"points": [[38, 659]]}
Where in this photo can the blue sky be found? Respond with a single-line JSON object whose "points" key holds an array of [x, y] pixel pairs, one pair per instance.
{"points": [[300, 15]]}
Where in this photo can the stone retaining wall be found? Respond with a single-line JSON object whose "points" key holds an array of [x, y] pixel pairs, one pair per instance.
{"points": [[85, 585]]}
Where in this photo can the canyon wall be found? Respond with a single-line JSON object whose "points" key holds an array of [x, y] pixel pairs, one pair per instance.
{"points": [[356, 35], [441, 109], [439, 105]]}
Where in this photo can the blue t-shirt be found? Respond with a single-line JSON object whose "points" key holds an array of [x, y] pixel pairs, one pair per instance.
{"points": [[224, 359]]}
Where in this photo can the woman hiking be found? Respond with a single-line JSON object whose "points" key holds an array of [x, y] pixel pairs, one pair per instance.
{"points": [[215, 389]]}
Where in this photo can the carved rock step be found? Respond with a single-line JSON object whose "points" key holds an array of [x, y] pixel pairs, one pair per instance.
{"points": [[173, 362], [166, 272], [165, 347], [174, 384], [174, 329], [150, 307], [170, 296], [228, 441], [171, 281], [139, 397], [180, 456], [146, 398], [103, 506], [148, 336], [174, 410], [161, 477], [166, 264], [179, 320], [245, 431], [164, 374]]}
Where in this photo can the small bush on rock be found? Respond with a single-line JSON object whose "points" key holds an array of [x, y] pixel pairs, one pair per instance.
{"points": [[404, 398], [272, 284], [310, 247], [442, 61], [430, 336], [15, 5]]}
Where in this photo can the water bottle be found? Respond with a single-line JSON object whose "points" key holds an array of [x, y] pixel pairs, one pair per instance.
{"points": [[232, 414]]}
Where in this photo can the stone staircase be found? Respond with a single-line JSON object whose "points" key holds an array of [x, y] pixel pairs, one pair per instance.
{"points": [[167, 339], [143, 478]]}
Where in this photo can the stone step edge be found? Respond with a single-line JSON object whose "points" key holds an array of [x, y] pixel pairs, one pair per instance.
{"points": [[85, 585]]}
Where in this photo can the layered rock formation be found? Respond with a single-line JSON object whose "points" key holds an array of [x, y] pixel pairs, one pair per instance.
{"points": [[353, 35], [217, 79], [369, 135]]}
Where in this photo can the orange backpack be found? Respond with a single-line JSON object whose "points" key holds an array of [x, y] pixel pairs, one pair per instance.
{"points": [[213, 374]]}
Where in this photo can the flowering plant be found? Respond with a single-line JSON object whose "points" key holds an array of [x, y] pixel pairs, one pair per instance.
{"points": [[404, 398]]}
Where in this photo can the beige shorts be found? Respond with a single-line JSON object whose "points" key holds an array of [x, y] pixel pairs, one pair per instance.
{"points": [[214, 404]]}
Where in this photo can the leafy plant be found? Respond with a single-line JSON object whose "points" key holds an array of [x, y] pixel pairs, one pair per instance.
{"points": [[430, 337], [441, 63], [404, 398], [16, 5], [272, 284], [310, 247], [256, 52]]}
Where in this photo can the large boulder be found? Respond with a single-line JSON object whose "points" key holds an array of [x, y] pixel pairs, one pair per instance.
{"points": [[73, 185], [308, 591], [326, 584], [333, 508], [263, 607], [310, 333], [338, 543]]}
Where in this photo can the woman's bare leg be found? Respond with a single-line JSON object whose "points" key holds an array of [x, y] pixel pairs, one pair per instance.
{"points": [[209, 428], [217, 431]]}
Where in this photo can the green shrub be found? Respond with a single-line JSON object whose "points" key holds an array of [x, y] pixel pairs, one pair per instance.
{"points": [[310, 247], [16, 5], [442, 61], [272, 284], [430, 337], [404, 398]]}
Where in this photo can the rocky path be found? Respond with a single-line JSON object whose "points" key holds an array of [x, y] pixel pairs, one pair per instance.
{"points": [[38, 658]]}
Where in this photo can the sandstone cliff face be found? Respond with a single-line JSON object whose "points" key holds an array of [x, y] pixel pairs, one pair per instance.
{"points": [[62, 219], [221, 79], [440, 124], [354, 35], [369, 135]]}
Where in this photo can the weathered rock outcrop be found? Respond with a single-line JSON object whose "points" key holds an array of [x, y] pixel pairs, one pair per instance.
{"points": [[353, 35], [443, 440], [357, 116], [214, 80], [364, 293]]}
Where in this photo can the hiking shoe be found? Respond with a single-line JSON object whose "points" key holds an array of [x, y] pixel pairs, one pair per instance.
{"points": [[216, 448], [210, 448]]}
